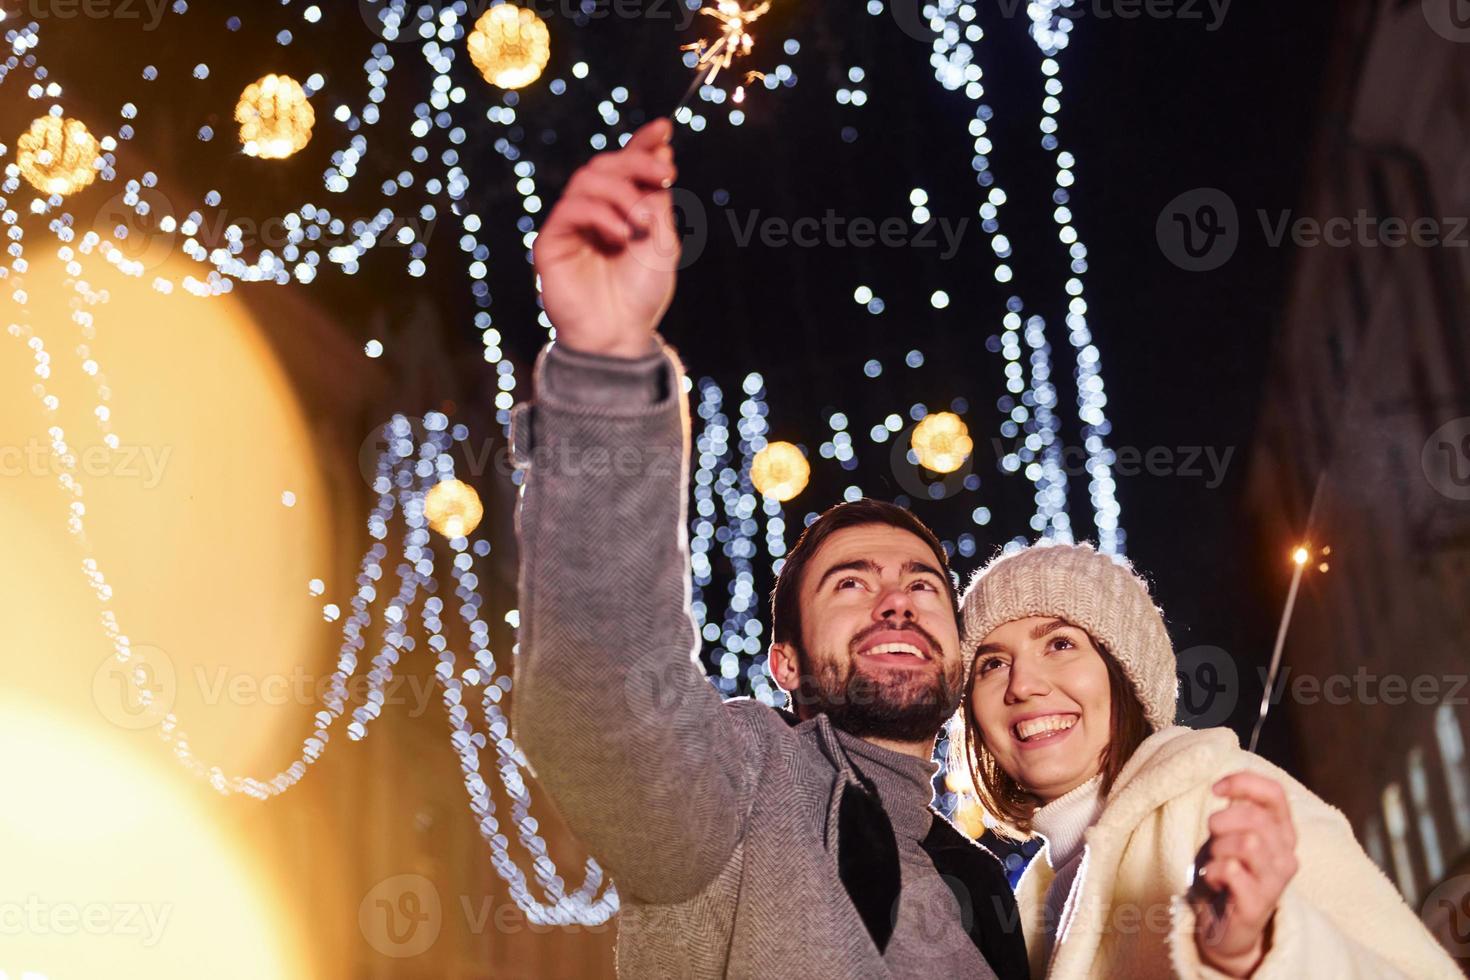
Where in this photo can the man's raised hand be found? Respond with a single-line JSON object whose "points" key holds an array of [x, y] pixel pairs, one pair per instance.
{"points": [[608, 252]]}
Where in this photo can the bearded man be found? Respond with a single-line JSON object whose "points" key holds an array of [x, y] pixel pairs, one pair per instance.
{"points": [[744, 840]]}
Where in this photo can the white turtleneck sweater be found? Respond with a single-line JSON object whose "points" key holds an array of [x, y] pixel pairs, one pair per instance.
{"points": [[1062, 823]]}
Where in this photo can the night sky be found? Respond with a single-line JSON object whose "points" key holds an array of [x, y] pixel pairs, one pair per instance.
{"points": [[1152, 108]]}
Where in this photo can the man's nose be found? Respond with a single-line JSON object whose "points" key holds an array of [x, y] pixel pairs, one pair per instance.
{"points": [[895, 603]]}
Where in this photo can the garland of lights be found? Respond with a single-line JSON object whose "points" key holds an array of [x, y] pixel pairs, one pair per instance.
{"points": [[955, 28], [55, 157]]}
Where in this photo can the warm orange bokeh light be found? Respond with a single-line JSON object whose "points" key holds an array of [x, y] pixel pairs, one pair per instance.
{"points": [[210, 573]]}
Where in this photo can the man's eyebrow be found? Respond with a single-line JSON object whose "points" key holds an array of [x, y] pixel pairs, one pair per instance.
{"points": [[913, 566], [855, 565]]}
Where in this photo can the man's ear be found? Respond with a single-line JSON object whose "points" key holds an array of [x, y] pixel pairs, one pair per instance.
{"points": [[783, 664]]}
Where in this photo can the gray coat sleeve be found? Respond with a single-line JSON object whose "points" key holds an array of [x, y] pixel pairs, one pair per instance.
{"points": [[622, 729]]}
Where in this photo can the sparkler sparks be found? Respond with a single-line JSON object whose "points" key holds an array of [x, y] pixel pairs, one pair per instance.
{"points": [[735, 41]]}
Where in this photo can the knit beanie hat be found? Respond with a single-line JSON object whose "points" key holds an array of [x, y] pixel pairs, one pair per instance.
{"points": [[1096, 592]]}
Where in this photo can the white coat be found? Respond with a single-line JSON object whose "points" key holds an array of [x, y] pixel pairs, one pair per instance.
{"points": [[1126, 916]]}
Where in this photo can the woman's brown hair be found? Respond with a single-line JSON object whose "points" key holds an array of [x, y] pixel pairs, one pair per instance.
{"points": [[1002, 797]]}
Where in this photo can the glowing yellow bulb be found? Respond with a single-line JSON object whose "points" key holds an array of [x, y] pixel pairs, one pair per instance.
{"points": [[969, 816], [510, 45], [57, 155], [1301, 556], [957, 780], [780, 471], [1322, 567], [275, 117], [453, 509], [942, 442]]}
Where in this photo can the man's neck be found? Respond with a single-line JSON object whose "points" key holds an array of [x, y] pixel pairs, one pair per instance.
{"points": [[923, 749]]}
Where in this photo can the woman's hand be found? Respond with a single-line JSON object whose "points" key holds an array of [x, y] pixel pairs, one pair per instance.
{"points": [[1249, 858], [608, 252]]}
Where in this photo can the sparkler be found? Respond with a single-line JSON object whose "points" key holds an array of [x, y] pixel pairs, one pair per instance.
{"points": [[1300, 557], [715, 56]]}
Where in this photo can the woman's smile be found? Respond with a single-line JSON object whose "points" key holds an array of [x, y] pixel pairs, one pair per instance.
{"points": [[1039, 731]]}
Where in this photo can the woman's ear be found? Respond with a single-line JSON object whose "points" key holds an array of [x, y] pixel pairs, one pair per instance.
{"points": [[784, 666]]}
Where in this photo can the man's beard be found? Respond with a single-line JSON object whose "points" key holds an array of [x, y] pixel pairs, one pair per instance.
{"points": [[899, 704]]}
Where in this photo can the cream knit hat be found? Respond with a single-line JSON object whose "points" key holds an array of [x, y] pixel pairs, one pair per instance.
{"points": [[1102, 595]]}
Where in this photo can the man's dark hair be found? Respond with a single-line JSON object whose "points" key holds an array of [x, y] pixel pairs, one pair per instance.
{"points": [[786, 596]]}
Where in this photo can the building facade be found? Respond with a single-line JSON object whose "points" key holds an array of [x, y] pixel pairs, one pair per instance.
{"points": [[1363, 450]]}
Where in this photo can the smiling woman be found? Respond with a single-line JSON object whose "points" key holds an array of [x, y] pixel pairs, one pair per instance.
{"points": [[1228, 863], [1039, 749]]}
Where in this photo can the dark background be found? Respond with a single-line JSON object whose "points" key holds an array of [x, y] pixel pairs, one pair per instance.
{"points": [[1152, 107]]}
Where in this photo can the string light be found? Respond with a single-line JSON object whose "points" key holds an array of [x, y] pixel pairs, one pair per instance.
{"points": [[780, 471], [734, 515], [942, 442], [275, 117], [510, 46], [406, 472], [57, 155], [453, 509], [1051, 27]]}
